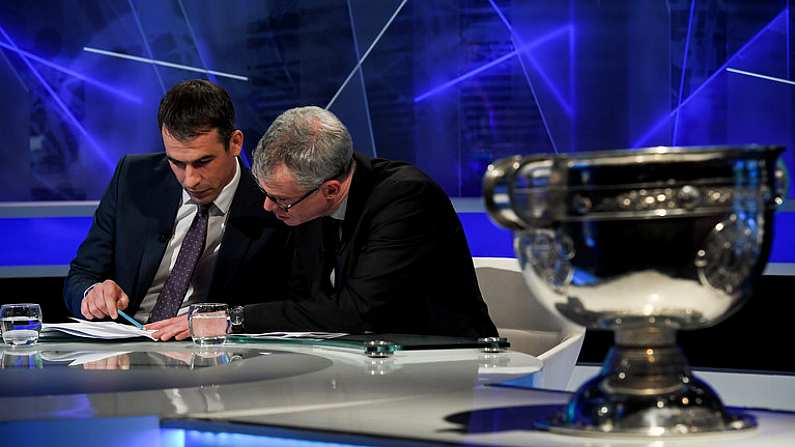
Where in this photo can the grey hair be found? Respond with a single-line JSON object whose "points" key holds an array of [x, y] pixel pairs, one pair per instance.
{"points": [[311, 142]]}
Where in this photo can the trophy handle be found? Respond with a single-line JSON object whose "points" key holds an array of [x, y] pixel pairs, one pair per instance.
{"points": [[516, 190], [497, 188]]}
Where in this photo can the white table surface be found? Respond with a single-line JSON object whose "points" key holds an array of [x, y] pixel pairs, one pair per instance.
{"points": [[447, 396]]}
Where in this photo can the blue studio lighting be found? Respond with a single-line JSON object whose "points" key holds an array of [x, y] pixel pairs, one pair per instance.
{"points": [[177, 437], [162, 63], [572, 68], [555, 91], [501, 59], [537, 102], [659, 124], [146, 43], [82, 77], [359, 63], [199, 51], [66, 112], [518, 43], [684, 66], [567, 108], [760, 76], [361, 80]]}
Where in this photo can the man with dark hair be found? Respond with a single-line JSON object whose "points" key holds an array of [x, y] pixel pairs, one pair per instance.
{"points": [[179, 227], [378, 245]]}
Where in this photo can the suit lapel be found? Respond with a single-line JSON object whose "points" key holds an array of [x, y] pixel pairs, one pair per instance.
{"points": [[360, 189], [164, 196], [237, 238]]}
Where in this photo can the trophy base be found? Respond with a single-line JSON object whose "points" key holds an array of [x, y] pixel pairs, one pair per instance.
{"points": [[646, 392], [733, 423]]}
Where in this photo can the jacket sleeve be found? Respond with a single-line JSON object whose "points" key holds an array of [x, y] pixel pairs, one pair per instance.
{"points": [[397, 248], [95, 256]]}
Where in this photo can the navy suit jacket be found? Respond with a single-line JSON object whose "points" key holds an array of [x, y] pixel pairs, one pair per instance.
{"points": [[402, 266], [135, 220]]}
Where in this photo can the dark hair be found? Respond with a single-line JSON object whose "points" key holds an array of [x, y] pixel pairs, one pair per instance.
{"points": [[195, 107]]}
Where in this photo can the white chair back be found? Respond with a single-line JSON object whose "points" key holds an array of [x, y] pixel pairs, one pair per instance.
{"points": [[528, 325]]}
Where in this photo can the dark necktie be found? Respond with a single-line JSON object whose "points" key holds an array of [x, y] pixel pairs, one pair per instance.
{"points": [[331, 236], [170, 298]]}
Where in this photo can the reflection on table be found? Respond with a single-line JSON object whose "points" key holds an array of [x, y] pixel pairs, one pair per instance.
{"points": [[430, 396], [43, 358]]}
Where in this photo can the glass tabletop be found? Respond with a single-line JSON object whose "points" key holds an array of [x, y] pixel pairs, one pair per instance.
{"points": [[47, 370]]}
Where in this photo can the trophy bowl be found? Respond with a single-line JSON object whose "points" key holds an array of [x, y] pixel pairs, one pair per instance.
{"points": [[644, 243]]}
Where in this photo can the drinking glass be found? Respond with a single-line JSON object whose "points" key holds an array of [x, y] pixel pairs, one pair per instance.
{"points": [[20, 359], [208, 323], [209, 359], [20, 323]]}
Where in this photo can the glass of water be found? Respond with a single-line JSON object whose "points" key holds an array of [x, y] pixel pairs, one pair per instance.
{"points": [[209, 359], [208, 323], [20, 323], [20, 359]]}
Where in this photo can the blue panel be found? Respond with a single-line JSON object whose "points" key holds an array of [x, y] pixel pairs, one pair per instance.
{"points": [[202, 433], [54, 240], [485, 238], [142, 431], [784, 238], [41, 241]]}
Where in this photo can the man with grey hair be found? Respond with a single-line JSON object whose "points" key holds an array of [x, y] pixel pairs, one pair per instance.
{"points": [[378, 246]]}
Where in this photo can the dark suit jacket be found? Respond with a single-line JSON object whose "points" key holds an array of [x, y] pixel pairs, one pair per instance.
{"points": [[134, 222], [403, 266]]}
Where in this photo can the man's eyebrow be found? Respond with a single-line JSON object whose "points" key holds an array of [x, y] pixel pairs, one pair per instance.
{"points": [[206, 158]]}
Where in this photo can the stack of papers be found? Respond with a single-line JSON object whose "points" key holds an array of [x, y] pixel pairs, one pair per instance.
{"points": [[104, 330], [110, 330]]}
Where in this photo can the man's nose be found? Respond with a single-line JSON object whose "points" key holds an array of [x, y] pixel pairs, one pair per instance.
{"points": [[192, 177]]}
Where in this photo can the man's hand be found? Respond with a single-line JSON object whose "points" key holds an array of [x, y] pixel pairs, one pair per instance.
{"points": [[176, 328], [184, 357], [102, 301], [121, 361]]}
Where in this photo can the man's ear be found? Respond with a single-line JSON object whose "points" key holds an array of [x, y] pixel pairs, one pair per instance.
{"points": [[331, 189], [236, 142]]}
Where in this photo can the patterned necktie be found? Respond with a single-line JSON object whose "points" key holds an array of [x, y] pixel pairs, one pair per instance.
{"points": [[170, 298]]}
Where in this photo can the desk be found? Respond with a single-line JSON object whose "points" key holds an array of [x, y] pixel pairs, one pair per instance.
{"points": [[321, 393]]}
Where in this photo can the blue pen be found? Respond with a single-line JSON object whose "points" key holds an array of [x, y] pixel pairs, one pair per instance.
{"points": [[130, 319]]}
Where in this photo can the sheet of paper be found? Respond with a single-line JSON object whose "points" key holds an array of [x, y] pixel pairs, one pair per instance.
{"points": [[312, 335], [104, 330]]}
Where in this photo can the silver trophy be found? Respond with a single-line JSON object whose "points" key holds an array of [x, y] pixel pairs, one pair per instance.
{"points": [[642, 242]]}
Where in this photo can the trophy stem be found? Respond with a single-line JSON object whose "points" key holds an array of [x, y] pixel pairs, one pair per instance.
{"points": [[646, 337], [646, 388]]}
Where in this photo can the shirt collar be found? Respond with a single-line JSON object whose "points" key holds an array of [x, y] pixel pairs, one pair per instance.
{"points": [[224, 200], [339, 213]]}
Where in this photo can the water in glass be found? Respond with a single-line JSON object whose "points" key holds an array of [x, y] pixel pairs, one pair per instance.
{"points": [[208, 323], [20, 323]]}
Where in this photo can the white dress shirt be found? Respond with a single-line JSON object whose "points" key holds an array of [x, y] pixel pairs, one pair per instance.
{"points": [[199, 286]]}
